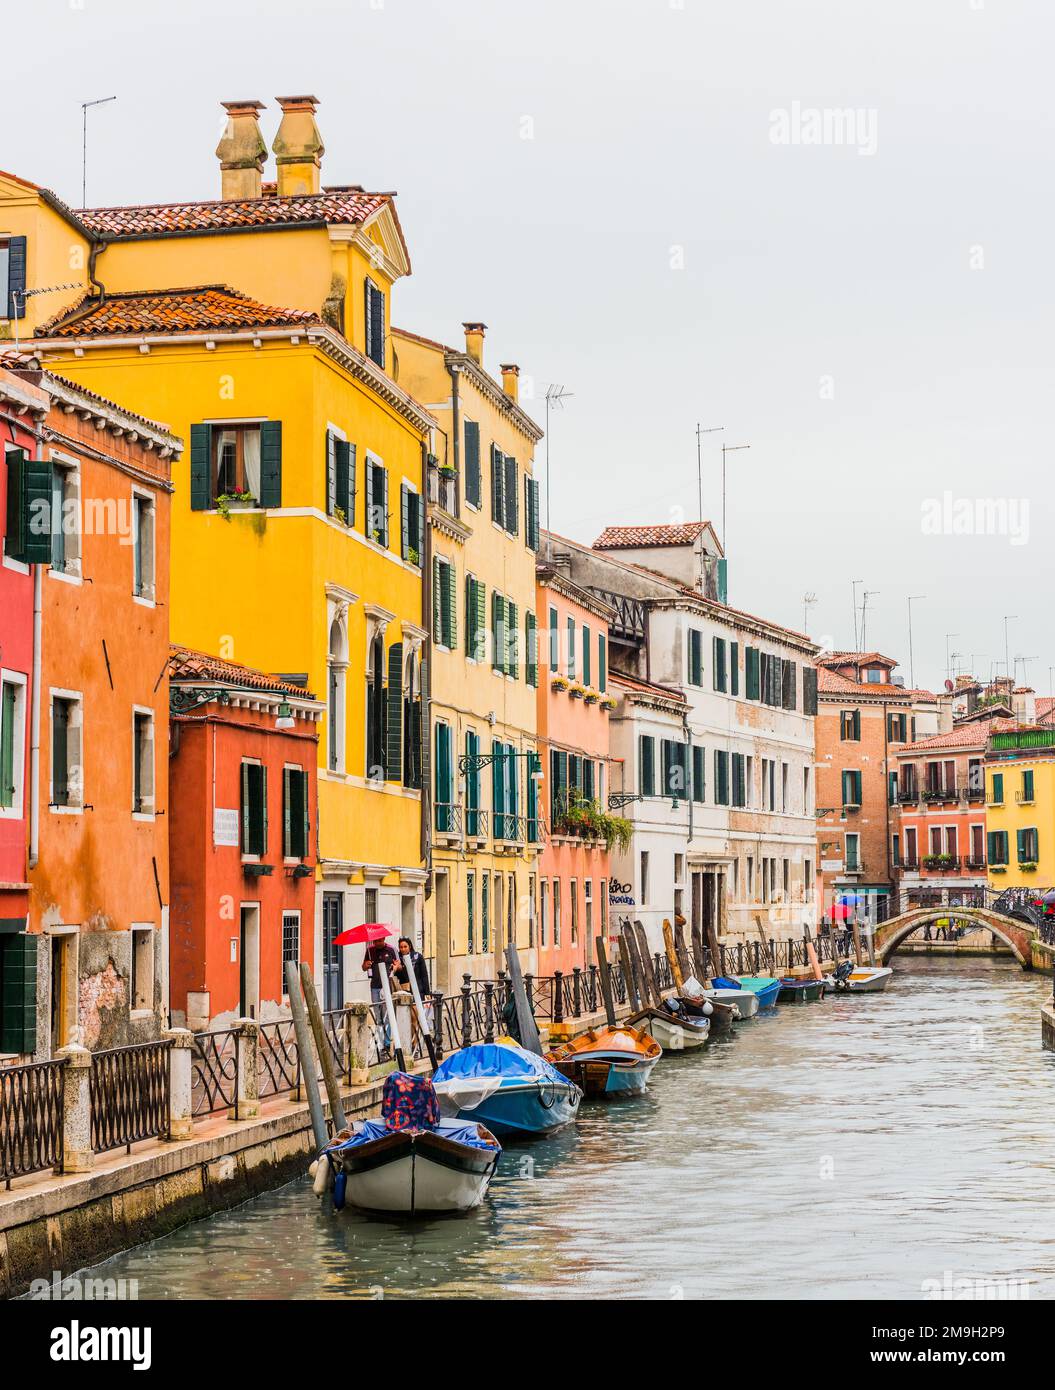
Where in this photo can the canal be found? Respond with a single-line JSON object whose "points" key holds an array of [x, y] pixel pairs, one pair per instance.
{"points": [[854, 1148]]}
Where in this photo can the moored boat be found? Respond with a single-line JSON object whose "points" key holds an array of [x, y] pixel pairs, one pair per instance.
{"points": [[766, 988], [412, 1162], [510, 1090], [745, 1003], [866, 979], [610, 1061], [800, 991], [673, 1026]]}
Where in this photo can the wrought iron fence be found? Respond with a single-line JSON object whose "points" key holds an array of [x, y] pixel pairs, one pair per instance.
{"points": [[214, 1071], [128, 1094], [277, 1059], [31, 1101]]}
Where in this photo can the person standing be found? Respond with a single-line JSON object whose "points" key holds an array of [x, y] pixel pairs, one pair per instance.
{"points": [[380, 956], [410, 959]]}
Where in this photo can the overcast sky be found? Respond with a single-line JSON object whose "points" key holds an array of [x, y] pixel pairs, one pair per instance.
{"points": [[623, 190]]}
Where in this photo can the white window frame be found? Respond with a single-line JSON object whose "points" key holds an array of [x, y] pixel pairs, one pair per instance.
{"points": [[250, 858], [150, 715], [143, 496], [288, 912], [71, 466], [77, 698], [16, 811], [543, 918], [375, 460]]}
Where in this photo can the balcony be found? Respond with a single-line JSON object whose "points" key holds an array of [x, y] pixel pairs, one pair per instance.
{"points": [[448, 822], [947, 792], [974, 862], [941, 863], [510, 830], [475, 823], [1024, 798], [908, 797], [905, 865]]}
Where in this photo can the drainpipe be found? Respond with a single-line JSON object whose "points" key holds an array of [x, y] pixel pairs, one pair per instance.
{"points": [[34, 697], [688, 765], [886, 796]]}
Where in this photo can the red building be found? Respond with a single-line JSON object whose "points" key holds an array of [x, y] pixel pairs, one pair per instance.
{"points": [[22, 409], [243, 838]]}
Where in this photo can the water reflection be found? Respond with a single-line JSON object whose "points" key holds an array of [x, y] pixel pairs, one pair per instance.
{"points": [[852, 1148]]}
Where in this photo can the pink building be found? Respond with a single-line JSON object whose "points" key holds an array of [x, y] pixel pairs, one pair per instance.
{"points": [[573, 712]]}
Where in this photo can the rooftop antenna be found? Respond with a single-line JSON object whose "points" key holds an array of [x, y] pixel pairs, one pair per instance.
{"points": [[868, 593], [727, 449], [700, 432], [1009, 617], [556, 396], [853, 591], [948, 658], [23, 295], [99, 101], [1025, 660], [912, 598], [809, 598]]}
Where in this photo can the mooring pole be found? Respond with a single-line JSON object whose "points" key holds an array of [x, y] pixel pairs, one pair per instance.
{"points": [[329, 1075], [307, 1057], [390, 1010]]}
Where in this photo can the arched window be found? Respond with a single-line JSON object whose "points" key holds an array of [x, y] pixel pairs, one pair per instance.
{"points": [[337, 665], [375, 711]]}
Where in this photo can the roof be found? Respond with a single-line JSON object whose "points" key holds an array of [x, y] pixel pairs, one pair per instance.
{"points": [[832, 683], [646, 687], [195, 308], [1045, 706], [856, 659], [962, 736], [631, 537], [351, 206], [186, 664]]}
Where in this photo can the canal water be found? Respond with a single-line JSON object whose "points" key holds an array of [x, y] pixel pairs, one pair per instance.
{"points": [[854, 1148]]}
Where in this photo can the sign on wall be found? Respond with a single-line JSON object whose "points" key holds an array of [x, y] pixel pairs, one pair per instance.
{"points": [[225, 827]]}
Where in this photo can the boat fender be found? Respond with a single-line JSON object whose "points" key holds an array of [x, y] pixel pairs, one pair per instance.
{"points": [[339, 1184], [322, 1172], [706, 1008]]}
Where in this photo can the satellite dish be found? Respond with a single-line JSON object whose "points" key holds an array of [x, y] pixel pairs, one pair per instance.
{"points": [[949, 685]]}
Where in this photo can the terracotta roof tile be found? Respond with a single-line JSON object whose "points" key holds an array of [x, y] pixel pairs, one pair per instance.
{"points": [[855, 658], [630, 537], [344, 206], [832, 683], [963, 736], [646, 687], [198, 307], [186, 664]]}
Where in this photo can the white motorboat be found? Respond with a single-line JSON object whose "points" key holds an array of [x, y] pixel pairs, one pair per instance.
{"points": [[674, 1034], [413, 1171], [745, 1000], [865, 979]]}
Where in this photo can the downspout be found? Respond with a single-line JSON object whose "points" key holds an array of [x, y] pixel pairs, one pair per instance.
{"points": [[886, 794], [688, 767], [425, 824]]}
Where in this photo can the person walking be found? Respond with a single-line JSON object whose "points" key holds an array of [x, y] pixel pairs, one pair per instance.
{"points": [[380, 956], [411, 959]]}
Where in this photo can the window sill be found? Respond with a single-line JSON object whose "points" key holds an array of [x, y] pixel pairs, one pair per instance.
{"points": [[66, 810], [144, 601], [74, 579], [145, 816], [134, 1014]]}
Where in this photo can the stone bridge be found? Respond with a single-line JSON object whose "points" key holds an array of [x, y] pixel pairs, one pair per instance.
{"points": [[1016, 933]]}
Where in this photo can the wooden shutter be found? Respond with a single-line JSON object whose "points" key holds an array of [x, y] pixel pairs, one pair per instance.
{"points": [[375, 323], [498, 506], [7, 746], [1021, 834], [789, 692], [648, 769], [36, 500], [344, 496], [368, 518], [394, 715], [497, 631], [531, 649], [586, 654], [383, 474], [512, 500], [991, 847], [247, 833], [305, 810], [16, 510], [450, 608], [498, 802], [512, 663], [470, 617], [716, 671], [443, 776], [18, 970], [752, 672], [472, 462], [271, 463], [287, 812], [602, 662], [699, 772], [16, 277], [531, 513], [404, 521], [734, 668], [809, 690]]}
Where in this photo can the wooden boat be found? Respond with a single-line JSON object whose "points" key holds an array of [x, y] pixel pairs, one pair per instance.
{"points": [[764, 987], [505, 1087], [609, 1061], [742, 1000], [866, 979], [722, 1016], [800, 991], [675, 1029]]}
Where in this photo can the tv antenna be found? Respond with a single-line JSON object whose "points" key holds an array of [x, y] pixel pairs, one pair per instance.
{"points": [[99, 101], [809, 598], [556, 395]]}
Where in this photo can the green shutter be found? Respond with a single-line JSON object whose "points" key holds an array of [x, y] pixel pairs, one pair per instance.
{"points": [[809, 690], [586, 654], [531, 513], [648, 766], [15, 539], [450, 608], [247, 833], [470, 616], [752, 671], [305, 808], [14, 292], [498, 802], [1021, 846], [394, 715], [37, 510], [991, 850], [443, 777], [18, 992], [472, 785], [1027, 785], [342, 463], [498, 506], [531, 649], [497, 629], [734, 668], [511, 520], [472, 462], [437, 626], [998, 788], [602, 662], [699, 765], [512, 665], [271, 463], [263, 810], [287, 812], [7, 745], [404, 521]]}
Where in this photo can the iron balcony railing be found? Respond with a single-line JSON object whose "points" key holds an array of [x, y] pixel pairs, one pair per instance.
{"points": [[476, 822], [448, 818]]}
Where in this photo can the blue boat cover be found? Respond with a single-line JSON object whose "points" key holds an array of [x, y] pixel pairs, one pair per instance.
{"points": [[720, 982], [504, 1060], [459, 1133]]}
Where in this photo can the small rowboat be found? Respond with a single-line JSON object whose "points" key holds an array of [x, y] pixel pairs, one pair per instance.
{"points": [[765, 987], [742, 1000], [608, 1061], [866, 979], [675, 1029], [508, 1089], [800, 991]]}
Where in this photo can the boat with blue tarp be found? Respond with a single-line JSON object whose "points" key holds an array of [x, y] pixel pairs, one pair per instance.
{"points": [[765, 987], [510, 1090]]}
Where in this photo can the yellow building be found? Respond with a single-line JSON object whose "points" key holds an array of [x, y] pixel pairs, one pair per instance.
{"points": [[257, 326], [483, 536], [1020, 807]]}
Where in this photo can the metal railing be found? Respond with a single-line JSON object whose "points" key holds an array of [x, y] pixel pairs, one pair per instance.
{"points": [[476, 819], [214, 1071], [128, 1089], [509, 827], [277, 1059], [31, 1103], [448, 818]]}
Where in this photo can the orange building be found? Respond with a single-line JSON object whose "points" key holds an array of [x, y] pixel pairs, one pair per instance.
{"points": [[573, 705], [98, 835], [244, 820]]}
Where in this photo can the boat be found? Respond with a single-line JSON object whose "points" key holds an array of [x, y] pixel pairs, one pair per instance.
{"points": [[510, 1090], [611, 1061], [865, 979], [801, 991], [412, 1162], [673, 1026], [742, 1000], [765, 987]]}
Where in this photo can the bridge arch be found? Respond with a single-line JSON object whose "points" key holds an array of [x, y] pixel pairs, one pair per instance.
{"points": [[1017, 934]]}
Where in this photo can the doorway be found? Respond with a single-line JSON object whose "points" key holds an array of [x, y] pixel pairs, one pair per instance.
{"points": [[63, 988], [249, 961], [332, 976]]}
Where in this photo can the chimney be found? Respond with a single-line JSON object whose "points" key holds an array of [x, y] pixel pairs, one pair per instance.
{"points": [[474, 340], [1025, 705], [298, 147], [241, 151], [510, 379]]}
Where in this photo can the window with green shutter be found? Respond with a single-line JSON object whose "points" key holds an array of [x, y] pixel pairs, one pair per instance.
{"points": [[471, 436], [295, 813], [675, 769], [996, 846], [531, 513], [721, 777], [586, 654], [271, 463], [809, 691], [498, 790], [530, 649], [718, 659], [394, 715], [375, 322], [498, 631], [377, 502], [558, 785], [534, 766], [444, 778], [512, 634], [9, 739], [340, 479], [734, 668], [18, 991], [571, 647], [851, 788], [699, 773], [254, 809], [511, 520], [472, 783], [996, 797], [444, 603], [647, 759], [411, 525], [751, 668], [602, 663], [1027, 784], [554, 641], [739, 780], [29, 508], [498, 486]]}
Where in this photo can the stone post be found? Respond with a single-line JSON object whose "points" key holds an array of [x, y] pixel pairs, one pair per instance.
{"points": [[77, 1155], [247, 1046], [359, 1043], [181, 1107], [402, 1002]]}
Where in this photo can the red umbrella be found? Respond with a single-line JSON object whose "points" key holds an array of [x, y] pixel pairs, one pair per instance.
{"points": [[365, 931]]}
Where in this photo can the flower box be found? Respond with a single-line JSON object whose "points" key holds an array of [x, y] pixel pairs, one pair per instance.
{"points": [[590, 697], [576, 691], [608, 703], [559, 682]]}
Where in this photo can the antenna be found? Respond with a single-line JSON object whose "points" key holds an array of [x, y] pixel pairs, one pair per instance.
{"points": [[23, 295], [911, 663], [868, 593], [1009, 617], [715, 429], [556, 396], [853, 593], [99, 101], [727, 449], [809, 598], [948, 657]]}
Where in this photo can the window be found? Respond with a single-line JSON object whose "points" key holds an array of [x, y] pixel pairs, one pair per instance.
{"points": [[470, 912], [1028, 846], [142, 546], [290, 945], [375, 323], [295, 825], [141, 978], [573, 894], [143, 762], [997, 846], [806, 808], [675, 769], [511, 520], [809, 690], [851, 788], [65, 520], [444, 605], [897, 728], [587, 903], [236, 462], [531, 513], [412, 755], [721, 777], [807, 877], [996, 796], [543, 911], [12, 277], [571, 648], [485, 913], [375, 711], [739, 780], [337, 665], [853, 852], [911, 859], [498, 632], [602, 662], [554, 641], [475, 618], [784, 770], [377, 502], [644, 877], [587, 652], [695, 656], [1026, 795], [647, 769], [473, 825], [719, 659], [891, 794], [12, 743], [498, 486], [445, 812], [412, 524], [530, 650], [556, 912], [254, 809], [471, 433], [850, 725], [699, 774], [67, 781]]}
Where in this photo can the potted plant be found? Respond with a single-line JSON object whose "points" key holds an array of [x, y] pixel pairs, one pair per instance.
{"points": [[448, 470], [339, 515], [590, 697], [413, 556], [608, 703], [378, 536], [559, 682], [227, 500], [1028, 868], [576, 691]]}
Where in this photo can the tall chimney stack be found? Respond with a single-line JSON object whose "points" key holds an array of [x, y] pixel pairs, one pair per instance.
{"points": [[511, 380], [298, 147], [474, 340], [241, 151]]}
